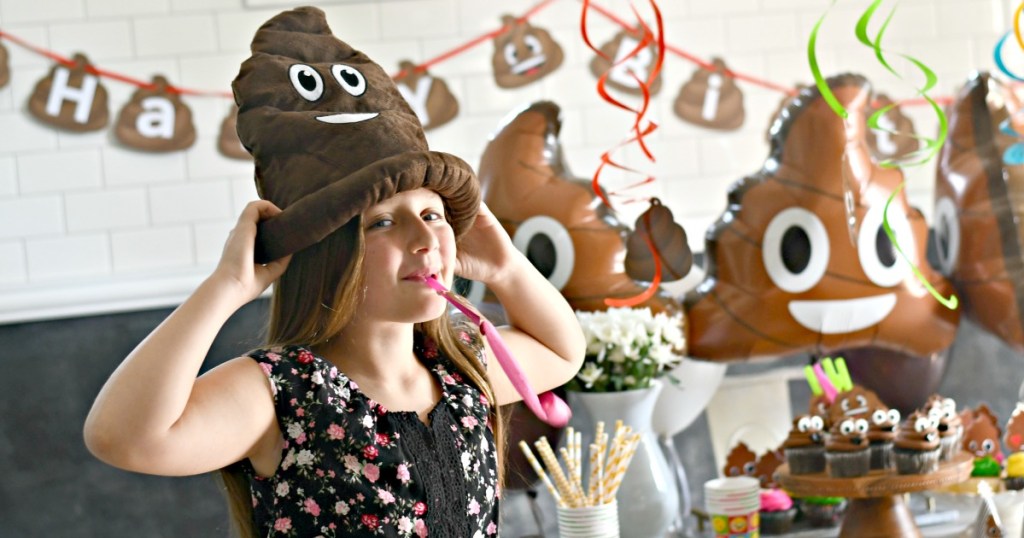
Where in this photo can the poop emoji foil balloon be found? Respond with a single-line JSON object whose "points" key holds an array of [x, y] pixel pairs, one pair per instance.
{"points": [[523, 54], [785, 271], [556, 219], [979, 198]]}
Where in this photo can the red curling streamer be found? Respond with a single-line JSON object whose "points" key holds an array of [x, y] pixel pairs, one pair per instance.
{"points": [[639, 128]]}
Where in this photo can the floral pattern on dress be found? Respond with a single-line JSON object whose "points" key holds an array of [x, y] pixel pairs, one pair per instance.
{"points": [[351, 468]]}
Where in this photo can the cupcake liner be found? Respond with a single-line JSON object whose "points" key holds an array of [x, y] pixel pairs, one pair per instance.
{"points": [[881, 455], [848, 464], [805, 460], [916, 461]]}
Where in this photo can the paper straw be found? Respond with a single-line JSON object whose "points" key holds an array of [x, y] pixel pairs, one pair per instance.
{"points": [[548, 455], [570, 467], [540, 471], [610, 467], [596, 462], [623, 464], [579, 459]]}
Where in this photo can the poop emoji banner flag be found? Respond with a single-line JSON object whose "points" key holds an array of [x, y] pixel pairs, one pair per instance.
{"points": [[5, 68], [894, 139], [331, 136], [711, 99], [523, 54], [555, 218], [429, 97], [155, 120], [71, 98], [784, 275], [227, 140], [626, 65], [979, 200]]}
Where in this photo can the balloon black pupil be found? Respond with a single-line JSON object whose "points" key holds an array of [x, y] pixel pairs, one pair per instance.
{"points": [[350, 78], [943, 237], [884, 248], [796, 249], [307, 80], [541, 253]]}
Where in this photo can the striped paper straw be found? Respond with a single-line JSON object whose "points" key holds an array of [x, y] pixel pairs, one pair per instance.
{"points": [[548, 455], [540, 471]]}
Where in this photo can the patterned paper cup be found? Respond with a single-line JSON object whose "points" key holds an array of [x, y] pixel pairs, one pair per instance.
{"points": [[601, 521]]}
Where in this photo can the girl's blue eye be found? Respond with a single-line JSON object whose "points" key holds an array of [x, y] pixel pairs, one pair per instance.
{"points": [[381, 223], [433, 216]]}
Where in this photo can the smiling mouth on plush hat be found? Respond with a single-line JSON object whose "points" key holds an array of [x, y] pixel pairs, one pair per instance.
{"points": [[529, 65], [348, 117], [844, 315]]}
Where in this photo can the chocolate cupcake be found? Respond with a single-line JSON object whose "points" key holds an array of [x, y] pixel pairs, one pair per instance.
{"points": [[950, 426], [917, 445], [882, 435], [804, 447], [846, 450]]}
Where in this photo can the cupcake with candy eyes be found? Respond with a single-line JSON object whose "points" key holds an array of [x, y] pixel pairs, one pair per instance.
{"points": [[882, 435], [917, 445], [950, 426], [846, 450], [804, 447]]}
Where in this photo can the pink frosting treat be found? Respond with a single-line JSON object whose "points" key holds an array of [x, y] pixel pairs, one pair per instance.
{"points": [[775, 500]]}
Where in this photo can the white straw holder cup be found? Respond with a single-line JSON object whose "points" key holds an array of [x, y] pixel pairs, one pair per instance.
{"points": [[733, 504], [600, 521]]}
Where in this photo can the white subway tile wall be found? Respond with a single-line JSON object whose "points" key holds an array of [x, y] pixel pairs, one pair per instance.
{"points": [[81, 208]]}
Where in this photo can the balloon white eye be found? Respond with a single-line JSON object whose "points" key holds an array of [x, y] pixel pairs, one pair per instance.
{"points": [[817, 423], [879, 416], [947, 235], [795, 249], [878, 256], [862, 425], [306, 81], [988, 446], [511, 54], [548, 246], [533, 44], [894, 416], [922, 424], [350, 78], [803, 424], [847, 427]]}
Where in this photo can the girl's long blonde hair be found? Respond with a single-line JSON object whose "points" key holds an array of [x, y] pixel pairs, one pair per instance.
{"points": [[313, 301]]}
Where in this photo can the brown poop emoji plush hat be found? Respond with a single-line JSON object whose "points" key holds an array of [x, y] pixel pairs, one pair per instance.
{"points": [[332, 136]]}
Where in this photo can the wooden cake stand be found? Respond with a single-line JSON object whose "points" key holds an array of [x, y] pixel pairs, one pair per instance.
{"points": [[876, 508]]}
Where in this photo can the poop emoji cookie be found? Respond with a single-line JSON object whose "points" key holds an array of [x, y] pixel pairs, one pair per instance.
{"points": [[711, 99], [428, 96], [227, 140], [785, 276], [555, 218], [155, 119], [741, 461], [523, 54], [895, 137], [764, 469], [71, 98], [671, 252], [979, 201], [5, 68], [623, 72]]}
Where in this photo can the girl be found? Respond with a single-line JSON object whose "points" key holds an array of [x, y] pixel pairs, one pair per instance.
{"points": [[369, 412]]}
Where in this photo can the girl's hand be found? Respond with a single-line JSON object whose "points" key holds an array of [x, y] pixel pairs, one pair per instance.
{"points": [[236, 266], [486, 252]]}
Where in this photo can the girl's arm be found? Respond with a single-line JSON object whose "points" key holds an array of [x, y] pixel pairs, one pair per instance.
{"points": [[153, 415], [544, 335]]}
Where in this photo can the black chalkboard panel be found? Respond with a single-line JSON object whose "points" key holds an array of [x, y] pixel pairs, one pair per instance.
{"points": [[51, 485]]}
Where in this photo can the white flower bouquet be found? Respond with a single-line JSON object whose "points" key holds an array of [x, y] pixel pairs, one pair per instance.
{"points": [[627, 348]]}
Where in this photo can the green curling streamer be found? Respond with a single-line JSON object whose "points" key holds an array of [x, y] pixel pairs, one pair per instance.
{"points": [[919, 157]]}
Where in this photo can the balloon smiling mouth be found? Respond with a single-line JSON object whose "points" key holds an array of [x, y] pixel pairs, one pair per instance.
{"points": [[348, 118], [842, 316], [529, 65]]}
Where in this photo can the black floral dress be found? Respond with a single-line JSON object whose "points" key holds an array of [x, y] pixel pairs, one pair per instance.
{"points": [[350, 467]]}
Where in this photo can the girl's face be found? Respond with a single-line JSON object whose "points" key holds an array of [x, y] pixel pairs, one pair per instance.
{"points": [[406, 239]]}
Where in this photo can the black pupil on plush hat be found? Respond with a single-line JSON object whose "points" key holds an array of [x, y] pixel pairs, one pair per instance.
{"points": [[884, 248], [350, 78], [307, 80], [796, 249]]}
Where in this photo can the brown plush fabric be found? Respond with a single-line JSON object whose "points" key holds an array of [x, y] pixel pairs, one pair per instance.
{"points": [[348, 143]]}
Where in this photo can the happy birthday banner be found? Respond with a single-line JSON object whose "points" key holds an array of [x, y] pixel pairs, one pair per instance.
{"points": [[72, 97]]}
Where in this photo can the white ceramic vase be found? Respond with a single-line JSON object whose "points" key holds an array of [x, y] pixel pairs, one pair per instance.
{"points": [[648, 498]]}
